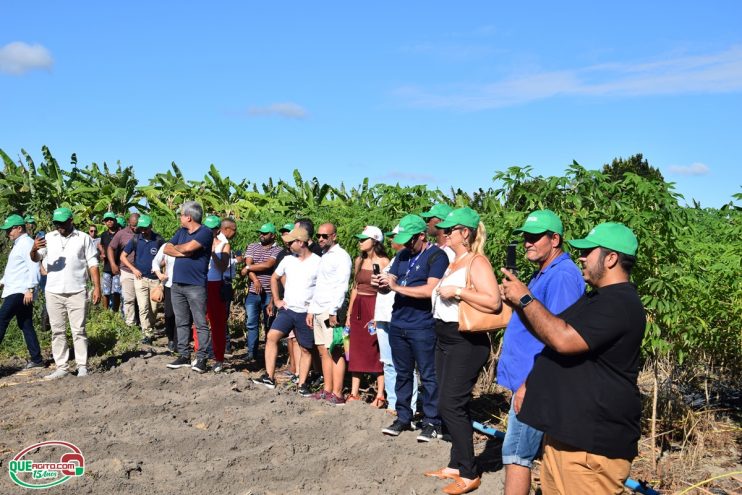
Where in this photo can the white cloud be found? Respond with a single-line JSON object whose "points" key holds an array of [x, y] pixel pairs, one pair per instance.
{"points": [[17, 58], [288, 110], [711, 73], [692, 169]]}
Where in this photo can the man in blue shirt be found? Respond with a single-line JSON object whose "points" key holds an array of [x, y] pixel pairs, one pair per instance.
{"points": [[191, 248], [414, 273], [145, 245], [557, 284], [19, 282]]}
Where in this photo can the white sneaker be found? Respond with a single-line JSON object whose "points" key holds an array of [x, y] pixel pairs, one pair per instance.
{"points": [[193, 362], [82, 371], [58, 373], [218, 367]]}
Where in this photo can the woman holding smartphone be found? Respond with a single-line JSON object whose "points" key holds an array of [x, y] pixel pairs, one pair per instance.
{"points": [[364, 346]]}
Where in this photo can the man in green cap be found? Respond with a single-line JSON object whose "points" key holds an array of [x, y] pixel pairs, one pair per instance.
{"points": [[69, 258], [30, 225], [414, 273], [19, 283], [582, 391], [557, 284], [260, 262], [115, 248], [143, 246], [436, 214], [110, 283]]}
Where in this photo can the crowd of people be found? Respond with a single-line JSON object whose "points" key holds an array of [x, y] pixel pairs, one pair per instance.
{"points": [[569, 357]]}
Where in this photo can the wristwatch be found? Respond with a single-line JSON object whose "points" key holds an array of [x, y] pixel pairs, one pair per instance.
{"points": [[457, 295], [525, 301]]}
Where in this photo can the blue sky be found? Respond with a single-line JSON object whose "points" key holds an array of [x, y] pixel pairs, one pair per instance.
{"points": [[440, 93]]}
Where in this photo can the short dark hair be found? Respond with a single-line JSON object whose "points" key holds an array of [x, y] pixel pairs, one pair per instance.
{"points": [[308, 225], [561, 237], [626, 261]]}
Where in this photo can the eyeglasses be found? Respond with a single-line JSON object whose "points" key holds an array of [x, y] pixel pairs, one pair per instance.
{"points": [[324, 236], [450, 230], [533, 238]]}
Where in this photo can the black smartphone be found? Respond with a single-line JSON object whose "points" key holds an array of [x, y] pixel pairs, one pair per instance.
{"points": [[327, 323], [510, 257], [376, 268]]}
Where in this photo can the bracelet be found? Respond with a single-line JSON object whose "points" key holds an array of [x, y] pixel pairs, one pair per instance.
{"points": [[457, 295]]}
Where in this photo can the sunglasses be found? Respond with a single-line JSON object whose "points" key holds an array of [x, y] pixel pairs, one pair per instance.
{"points": [[533, 238], [323, 236], [58, 224], [450, 230], [584, 253]]}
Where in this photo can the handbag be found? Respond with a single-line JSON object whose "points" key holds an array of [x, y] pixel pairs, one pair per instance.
{"points": [[473, 320], [157, 293]]}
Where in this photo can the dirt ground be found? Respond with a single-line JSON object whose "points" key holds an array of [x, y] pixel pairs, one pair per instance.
{"points": [[146, 429]]}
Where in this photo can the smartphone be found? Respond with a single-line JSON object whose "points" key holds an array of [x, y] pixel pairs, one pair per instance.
{"points": [[327, 323], [237, 253], [376, 268], [510, 257], [41, 234]]}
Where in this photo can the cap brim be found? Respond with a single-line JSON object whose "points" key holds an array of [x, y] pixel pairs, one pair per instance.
{"points": [[444, 224], [403, 237], [582, 243], [56, 218], [530, 230], [363, 236], [268, 231]]}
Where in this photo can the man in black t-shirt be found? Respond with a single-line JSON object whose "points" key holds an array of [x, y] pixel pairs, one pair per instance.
{"points": [[110, 283], [582, 390]]}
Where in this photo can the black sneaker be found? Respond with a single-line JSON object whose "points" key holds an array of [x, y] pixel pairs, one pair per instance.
{"points": [[304, 390], [171, 347], [200, 366], [429, 432], [396, 428], [265, 381], [147, 341], [181, 362], [33, 364]]}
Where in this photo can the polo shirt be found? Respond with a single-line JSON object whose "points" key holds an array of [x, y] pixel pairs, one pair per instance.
{"points": [[332, 281], [21, 272], [144, 252], [414, 271], [67, 260], [301, 279], [259, 254], [590, 401], [192, 270], [557, 287], [117, 244]]}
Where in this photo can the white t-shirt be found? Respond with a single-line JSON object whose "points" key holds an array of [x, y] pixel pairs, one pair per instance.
{"points": [[448, 309], [169, 264], [384, 302], [301, 279], [332, 281], [66, 261]]}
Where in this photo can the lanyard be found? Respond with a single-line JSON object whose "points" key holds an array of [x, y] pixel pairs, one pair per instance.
{"points": [[412, 264]]}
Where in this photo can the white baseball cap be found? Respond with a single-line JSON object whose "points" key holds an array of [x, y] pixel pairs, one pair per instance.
{"points": [[371, 232]]}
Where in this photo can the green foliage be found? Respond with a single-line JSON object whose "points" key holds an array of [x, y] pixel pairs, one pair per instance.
{"points": [[635, 164]]}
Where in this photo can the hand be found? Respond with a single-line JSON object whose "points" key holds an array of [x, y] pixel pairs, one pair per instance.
{"points": [[447, 291], [115, 269], [39, 243], [280, 304], [137, 274], [518, 397], [375, 280], [28, 297], [161, 276], [333, 320], [96, 295], [271, 308], [257, 286], [512, 288], [245, 270], [310, 320]]}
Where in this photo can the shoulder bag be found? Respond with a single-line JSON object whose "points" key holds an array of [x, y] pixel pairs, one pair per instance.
{"points": [[473, 320]]}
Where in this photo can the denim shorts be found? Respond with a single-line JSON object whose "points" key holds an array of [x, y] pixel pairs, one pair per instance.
{"points": [[111, 284], [287, 320], [522, 443]]}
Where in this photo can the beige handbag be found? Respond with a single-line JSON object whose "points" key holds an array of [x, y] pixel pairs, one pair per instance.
{"points": [[157, 293], [473, 320]]}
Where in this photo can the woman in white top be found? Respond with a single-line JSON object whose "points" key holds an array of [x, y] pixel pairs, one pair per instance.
{"points": [[166, 278], [461, 355]]}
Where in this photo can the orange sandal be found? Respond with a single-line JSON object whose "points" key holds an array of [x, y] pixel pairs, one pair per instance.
{"points": [[379, 402], [351, 398]]}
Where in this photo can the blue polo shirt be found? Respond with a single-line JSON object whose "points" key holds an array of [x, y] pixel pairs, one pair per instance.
{"points": [[145, 252], [192, 270], [414, 271], [557, 287]]}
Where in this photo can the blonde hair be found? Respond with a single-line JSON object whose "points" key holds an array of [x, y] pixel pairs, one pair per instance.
{"points": [[477, 239]]}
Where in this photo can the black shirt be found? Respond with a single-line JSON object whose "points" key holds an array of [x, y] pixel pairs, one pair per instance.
{"points": [[105, 240], [314, 247], [591, 401]]}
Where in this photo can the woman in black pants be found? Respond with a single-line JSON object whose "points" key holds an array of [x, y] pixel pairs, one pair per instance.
{"points": [[461, 355]]}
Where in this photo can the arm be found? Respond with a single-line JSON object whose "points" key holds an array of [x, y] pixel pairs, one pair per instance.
{"points": [[260, 267], [255, 282], [485, 296], [101, 251], [222, 262], [33, 279], [353, 293], [278, 303], [183, 250], [552, 331], [112, 259], [95, 277], [419, 292], [38, 243], [124, 259]]}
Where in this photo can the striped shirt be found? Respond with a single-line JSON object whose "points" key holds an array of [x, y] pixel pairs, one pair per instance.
{"points": [[259, 254]]}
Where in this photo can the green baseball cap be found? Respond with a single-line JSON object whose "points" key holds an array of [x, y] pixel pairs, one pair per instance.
{"points": [[145, 221], [30, 219], [287, 227], [13, 221], [61, 215], [269, 228], [212, 221], [408, 227], [121, 221], [541, 221], [109, 214], [610, 235], [440, 210], [461, 216]]}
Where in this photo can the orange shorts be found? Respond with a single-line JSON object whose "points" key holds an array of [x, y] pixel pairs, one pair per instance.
{"points": [[566, 470]]}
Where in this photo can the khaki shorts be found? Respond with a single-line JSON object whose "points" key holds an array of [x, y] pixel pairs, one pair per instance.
{"points": [[322, 333], [568, 471]]}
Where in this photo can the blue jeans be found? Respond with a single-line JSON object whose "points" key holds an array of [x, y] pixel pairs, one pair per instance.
{"points": [[13, 306], [255, 308], [390, 374], [410, 347], [522, 442], [189, 301]]}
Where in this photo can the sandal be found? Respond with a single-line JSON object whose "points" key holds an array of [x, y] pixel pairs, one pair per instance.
{"points": [[460, 485], [379, 402], [351, 398]]}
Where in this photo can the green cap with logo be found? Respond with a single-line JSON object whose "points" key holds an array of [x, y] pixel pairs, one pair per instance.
{"points": [[13, 221], [440, 210], [61, 215], [461, 216], [212, 221], [287, 227], [269, 228], [408, 227], [30, 219], [121, 221], [109, 215], [145, 221], [610, 235], [541, 221]]}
